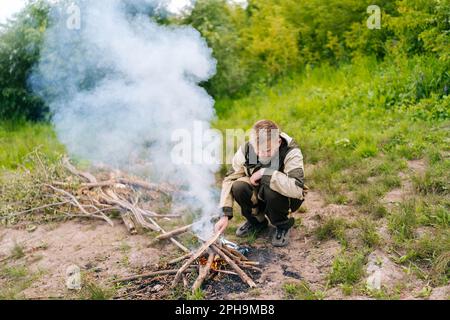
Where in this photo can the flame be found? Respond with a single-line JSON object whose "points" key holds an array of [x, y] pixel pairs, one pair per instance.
{"points": [[217, 264]]}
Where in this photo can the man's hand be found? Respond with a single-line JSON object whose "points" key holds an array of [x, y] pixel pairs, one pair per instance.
{"points": [[222, 224], [256, 177]]}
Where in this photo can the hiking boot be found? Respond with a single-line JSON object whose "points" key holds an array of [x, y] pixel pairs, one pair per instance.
{"points": [[281, 237], [248, 227]]}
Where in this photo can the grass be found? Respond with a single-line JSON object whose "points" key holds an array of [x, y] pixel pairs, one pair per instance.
{"points": [[347, 269], [16, 279], [20, 139], [301, 291], [369, 235], [94, 291], [332, 228], [199, 294], [403, 222], [17, 252]]}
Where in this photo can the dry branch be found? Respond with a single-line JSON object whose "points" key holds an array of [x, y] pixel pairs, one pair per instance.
{"points": [[233, 264], [174, 233], [174, 261], [86, 175], [151, 274]]}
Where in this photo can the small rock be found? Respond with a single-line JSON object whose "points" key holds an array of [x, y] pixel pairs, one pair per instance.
{"points": [[73, 280], [31, 228], [441, 293], [157, 288], [382, 272]]}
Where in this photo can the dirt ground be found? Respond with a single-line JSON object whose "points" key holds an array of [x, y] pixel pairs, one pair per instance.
{"points": [[104, 253]]}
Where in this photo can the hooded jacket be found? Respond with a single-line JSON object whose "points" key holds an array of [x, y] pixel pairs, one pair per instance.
{"points": [[285, 177]]}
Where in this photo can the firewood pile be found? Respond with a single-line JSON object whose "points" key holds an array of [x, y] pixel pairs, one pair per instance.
{"points": [[211, 258], [80, 194]]}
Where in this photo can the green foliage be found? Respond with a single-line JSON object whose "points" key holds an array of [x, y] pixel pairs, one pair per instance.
{"points": [[273, 38], [20, 42]]}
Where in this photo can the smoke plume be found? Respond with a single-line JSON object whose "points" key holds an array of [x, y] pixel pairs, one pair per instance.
{"points": [[119, 86]]}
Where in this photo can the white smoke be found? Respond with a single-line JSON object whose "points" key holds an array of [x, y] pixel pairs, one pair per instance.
{"points": [[121, 84]]}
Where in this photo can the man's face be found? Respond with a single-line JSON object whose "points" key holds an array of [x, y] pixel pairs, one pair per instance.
{"points": [[267, 148]]}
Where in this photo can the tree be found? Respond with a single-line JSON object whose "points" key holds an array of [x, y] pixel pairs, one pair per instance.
{"points": [[20, 41]]}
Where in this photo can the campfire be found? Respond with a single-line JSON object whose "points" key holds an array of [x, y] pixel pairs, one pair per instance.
{"points": [[96, 196]]}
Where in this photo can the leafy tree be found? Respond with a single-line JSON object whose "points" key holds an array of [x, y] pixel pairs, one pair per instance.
{"points": [[20, 42]]}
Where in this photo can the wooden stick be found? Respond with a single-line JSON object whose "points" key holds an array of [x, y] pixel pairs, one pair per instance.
{"points": [[203, 272], [77, 203], [174, 241], [235, 253], [151, 274], [180, 259], [86, 175], [227, 272], [251, 263], [195, 256], [239, 271], [173, 233], [185, 280], [129, 223], [38, 208], [111, 197]]}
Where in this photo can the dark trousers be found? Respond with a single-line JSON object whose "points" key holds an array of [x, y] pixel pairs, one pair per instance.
{"points": [[268, 202]]}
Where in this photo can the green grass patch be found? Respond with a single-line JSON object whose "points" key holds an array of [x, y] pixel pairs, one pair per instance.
{"points": [[347, 269], [18, 140], [332, 228], [368, 232], [301, 291]]}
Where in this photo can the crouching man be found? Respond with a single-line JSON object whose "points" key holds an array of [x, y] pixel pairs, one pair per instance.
{"points": [[267, 181]]}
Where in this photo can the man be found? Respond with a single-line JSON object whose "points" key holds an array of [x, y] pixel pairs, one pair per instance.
{"points": [[267, 181]]}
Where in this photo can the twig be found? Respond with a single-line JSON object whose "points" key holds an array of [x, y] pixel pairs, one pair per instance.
{"points": [[239, 271], [77, 203], [151, 274], [227, 272], [235, 253], [39, 208], [174, 261], [174, 241], [173, 233], [86, 175]]}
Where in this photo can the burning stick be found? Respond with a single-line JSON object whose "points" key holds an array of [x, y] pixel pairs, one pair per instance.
{"points": [[203, 271], [195, 256]]}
